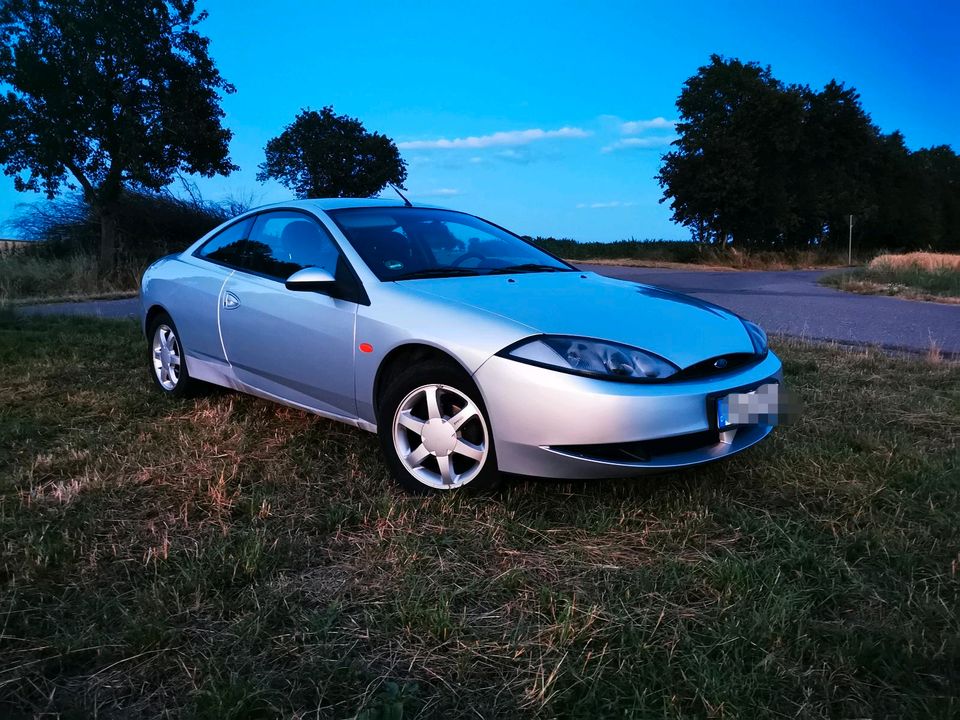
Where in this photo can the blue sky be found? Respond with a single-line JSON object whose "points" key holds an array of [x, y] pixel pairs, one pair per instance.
{"points": [[550, 117]]}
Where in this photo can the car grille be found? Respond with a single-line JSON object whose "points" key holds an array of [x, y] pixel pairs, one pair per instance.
{"points": [[717, 366], [642, 450]]}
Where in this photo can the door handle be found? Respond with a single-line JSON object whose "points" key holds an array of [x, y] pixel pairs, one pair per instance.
{"points": [[230, 300]]}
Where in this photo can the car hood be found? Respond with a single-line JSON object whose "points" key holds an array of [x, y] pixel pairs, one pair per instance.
{"points": [[680, 328]]}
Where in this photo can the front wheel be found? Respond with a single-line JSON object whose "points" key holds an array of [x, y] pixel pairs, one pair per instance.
{"points": [[168, 365], [434, 430]]}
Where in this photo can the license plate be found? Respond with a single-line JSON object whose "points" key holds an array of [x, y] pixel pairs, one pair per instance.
{"points": [[757, 407]]}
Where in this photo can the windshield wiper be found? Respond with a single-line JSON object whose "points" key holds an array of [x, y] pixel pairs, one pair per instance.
{"points": [[435, 272], [527, 267]]}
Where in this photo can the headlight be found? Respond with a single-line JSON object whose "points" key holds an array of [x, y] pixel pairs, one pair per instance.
{"points": [[593, 358], [757, 336]]}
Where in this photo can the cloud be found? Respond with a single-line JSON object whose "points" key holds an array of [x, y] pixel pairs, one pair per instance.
{"points": [[655, 141], [521, 157], [637, 127], [604, 205], [439, 192], [509, 138]]}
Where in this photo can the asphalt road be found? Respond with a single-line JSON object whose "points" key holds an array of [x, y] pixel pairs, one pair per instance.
{"points": [[783, 302], [792, 303]]}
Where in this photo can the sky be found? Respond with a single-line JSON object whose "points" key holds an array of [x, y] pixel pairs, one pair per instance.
{"points": [[550, 118]]}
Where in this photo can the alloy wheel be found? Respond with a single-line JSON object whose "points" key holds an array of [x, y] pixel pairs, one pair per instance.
{"points": [[166, 357], [440, 436]]}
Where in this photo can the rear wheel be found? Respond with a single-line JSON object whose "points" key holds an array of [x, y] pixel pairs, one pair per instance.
{"points": [[168, 366], [434, 430]]}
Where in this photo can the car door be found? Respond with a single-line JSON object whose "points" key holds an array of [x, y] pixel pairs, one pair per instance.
{"points": [[293, 345], [193, 304]]}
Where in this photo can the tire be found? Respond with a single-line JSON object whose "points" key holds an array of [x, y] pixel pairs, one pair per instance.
{"points": [[434, 430], [165, 358]]}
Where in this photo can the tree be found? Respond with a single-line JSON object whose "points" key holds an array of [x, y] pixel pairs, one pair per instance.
{"points": [[916, 202], [108, 94], [835, 170], [767, 165], [724, 177], [321, 154]]}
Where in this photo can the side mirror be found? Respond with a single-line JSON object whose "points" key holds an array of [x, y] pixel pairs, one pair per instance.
{"points": [[311, 279]]}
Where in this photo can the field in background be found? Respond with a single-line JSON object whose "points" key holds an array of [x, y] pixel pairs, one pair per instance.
{"points": [[666, 253], [30, 277], [27, 276], [8, 246], [62, 265], [918, 276], [225, 557], [33, 277]]}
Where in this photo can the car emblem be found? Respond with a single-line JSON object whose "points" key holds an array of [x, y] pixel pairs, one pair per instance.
{"points": [[720, 363]]}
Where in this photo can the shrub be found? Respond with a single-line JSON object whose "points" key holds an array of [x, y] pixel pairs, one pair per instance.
{"points": [[150, 225], [62, 260]]}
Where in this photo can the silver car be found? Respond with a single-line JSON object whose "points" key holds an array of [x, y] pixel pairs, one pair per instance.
{"points": [[470, 351]]}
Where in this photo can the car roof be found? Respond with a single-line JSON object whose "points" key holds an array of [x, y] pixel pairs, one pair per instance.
{"points": [[340, 203]]}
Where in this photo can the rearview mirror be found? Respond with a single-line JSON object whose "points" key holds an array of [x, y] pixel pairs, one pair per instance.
{"points": [[311, 279]]}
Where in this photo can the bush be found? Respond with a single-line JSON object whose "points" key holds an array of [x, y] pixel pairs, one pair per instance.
{"points": [[62, 262], [149, 225], [30, 275]]}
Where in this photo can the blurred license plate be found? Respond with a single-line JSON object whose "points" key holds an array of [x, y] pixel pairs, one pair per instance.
{"points": [[757, 407]]}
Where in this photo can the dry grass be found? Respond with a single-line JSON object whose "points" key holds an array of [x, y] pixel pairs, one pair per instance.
{"points": [[70, 298], [13, 246], [915, 276], [661, 253], [227, 558], [926, 261], [29, 277], [634, 262], [851, 283]]}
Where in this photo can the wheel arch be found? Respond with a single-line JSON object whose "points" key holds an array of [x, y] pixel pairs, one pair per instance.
{"points": [[151, 314], [402, 356]]}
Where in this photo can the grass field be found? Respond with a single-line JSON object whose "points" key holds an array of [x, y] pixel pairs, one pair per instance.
{"points": [[30, 277], [27, 277], [227, 558], [666, 253], [919, 276]]}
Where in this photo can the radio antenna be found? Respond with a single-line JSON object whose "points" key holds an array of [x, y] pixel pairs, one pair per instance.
{"points": [[402, 196]]}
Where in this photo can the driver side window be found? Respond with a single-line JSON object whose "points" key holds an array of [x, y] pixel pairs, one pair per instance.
{"points": [[444, 245], [284, 241], [476, 242]]}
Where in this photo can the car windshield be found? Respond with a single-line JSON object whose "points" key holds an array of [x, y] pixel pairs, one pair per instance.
{"points": [[404, 243]]}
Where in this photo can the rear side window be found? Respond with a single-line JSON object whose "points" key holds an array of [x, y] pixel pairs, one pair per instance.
{"points": [[228, 247]]}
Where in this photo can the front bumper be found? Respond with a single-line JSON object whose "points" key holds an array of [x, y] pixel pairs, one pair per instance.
{"points": [[553, 424]]}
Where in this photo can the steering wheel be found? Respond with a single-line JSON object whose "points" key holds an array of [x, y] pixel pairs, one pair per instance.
{"points": [[466, 256]]}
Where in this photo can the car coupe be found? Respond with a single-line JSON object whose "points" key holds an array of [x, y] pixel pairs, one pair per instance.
{"points": [[468, 349]]}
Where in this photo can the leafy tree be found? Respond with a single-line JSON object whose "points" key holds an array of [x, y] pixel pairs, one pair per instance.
{"points": [[835, 169], [891, 217], [321, 154], [725, 179], [108, 94], [939, 168], [916, 198], [763, 164]]}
